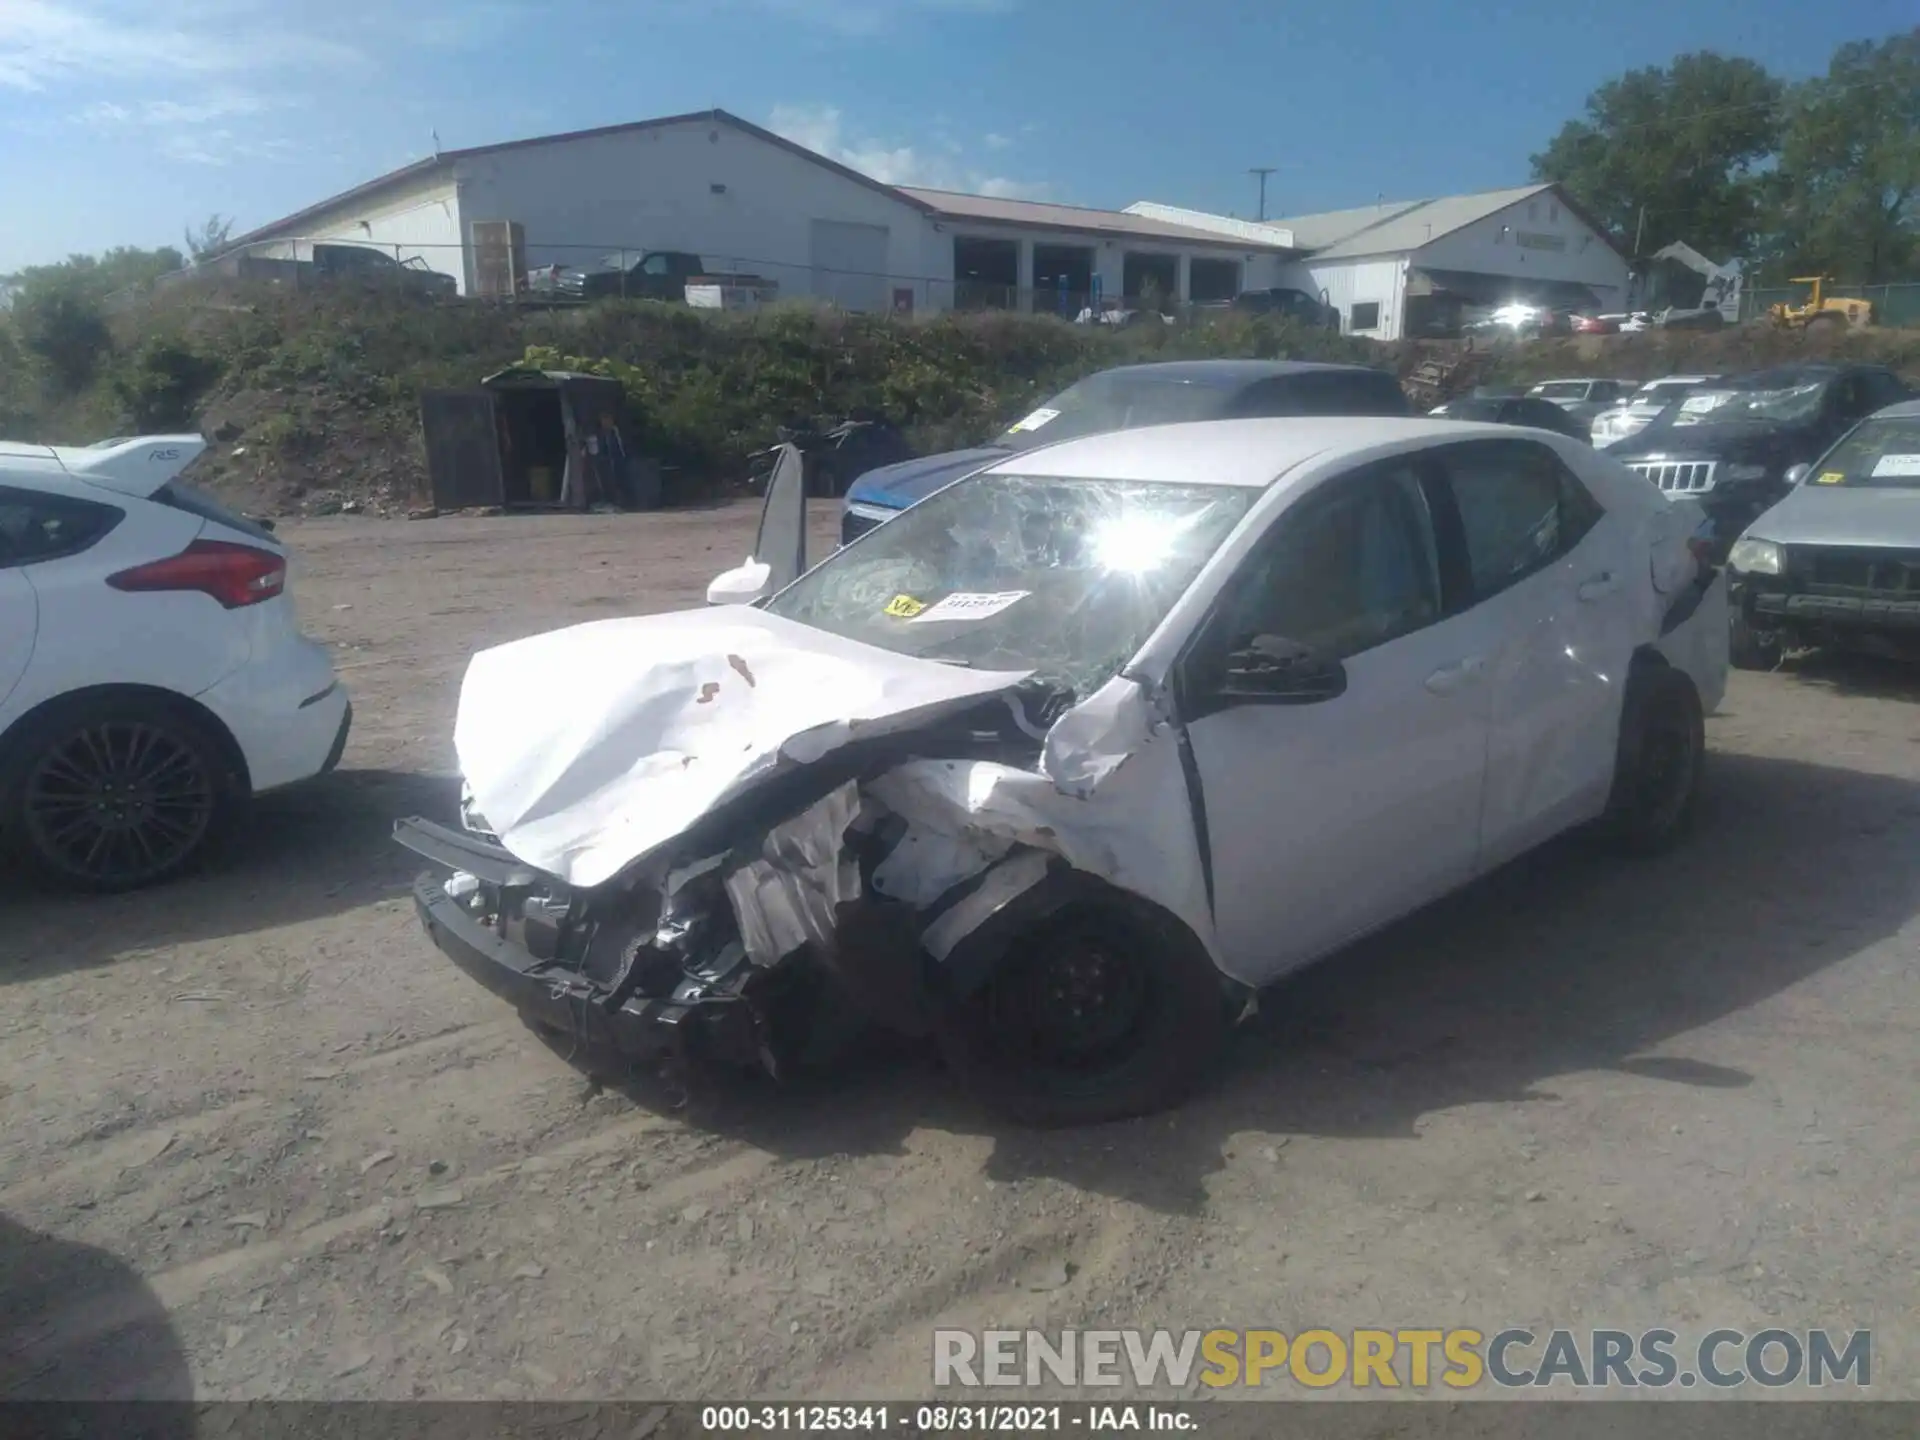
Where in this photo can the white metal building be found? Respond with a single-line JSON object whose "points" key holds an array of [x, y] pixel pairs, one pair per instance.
{"points": [[1412, 267], [749, 201]]}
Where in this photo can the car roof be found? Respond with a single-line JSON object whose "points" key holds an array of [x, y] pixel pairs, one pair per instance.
{"points": [[1900, 410], [1244, 453], [1234, 372], [1573, 380]]}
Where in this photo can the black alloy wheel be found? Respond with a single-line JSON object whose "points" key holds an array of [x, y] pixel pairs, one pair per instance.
{"points": [[114, 799]]}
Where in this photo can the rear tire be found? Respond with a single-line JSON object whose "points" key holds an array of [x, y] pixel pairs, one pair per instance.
{"points": [[116, 792], [1104, 1011], [1751, 649], [1657, 769]]}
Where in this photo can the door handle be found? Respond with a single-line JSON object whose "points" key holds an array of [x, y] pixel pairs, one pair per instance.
{"points": [[1596, 587], [1449, 678]]}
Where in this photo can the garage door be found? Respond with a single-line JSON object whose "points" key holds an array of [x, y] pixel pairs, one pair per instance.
{"points": [[849, 264]]}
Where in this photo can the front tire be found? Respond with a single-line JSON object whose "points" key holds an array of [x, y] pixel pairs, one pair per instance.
{"points": [[117, 792], [1658, 765], [1102, 1012]]}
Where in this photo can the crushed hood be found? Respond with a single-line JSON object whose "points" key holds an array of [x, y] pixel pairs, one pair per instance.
{"points": [[586, 749]]}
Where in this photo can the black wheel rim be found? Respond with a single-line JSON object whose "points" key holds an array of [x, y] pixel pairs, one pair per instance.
{"points": [[1666, 771], [1075, 1006], [119, 802]]}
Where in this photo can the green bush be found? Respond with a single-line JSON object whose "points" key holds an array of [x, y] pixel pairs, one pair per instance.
{"points": [[65, 331], [160, 383]]}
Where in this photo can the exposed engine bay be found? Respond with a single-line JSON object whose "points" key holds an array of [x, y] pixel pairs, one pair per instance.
{"points": [[880, 884]]}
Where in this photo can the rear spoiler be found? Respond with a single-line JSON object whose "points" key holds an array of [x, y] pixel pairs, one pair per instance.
{"points": [[136, 467]]}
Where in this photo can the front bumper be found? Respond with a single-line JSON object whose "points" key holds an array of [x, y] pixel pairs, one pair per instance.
{"points": [[640, 1029], [1808, 598], [552, 991]]}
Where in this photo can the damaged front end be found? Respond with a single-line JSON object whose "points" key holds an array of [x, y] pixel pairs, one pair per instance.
{"points": [[840, 895]]}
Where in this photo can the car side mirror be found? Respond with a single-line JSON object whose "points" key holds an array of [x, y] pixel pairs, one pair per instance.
{"points": [[1797, 474], [780, 549], [1273, 670], [743, 585]]}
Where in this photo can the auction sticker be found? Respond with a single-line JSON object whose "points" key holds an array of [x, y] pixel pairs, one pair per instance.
{"points": [[1830, 477], [904, 607], [1897, 465], [1034, 421], [971, 605]]}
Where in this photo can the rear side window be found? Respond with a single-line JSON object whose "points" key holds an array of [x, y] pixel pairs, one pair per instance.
{"points": [[36, 527], [1520, 509], [1884, 388], [1324, 392], [178, 495]]}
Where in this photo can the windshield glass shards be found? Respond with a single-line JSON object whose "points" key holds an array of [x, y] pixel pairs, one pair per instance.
{"points": [[1065, 577], [1723, 405]]}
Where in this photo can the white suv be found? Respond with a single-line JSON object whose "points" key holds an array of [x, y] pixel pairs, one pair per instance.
{"points": [[153, 676]]}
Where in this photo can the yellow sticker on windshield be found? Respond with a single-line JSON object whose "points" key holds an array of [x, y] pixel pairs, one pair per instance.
{"points": [[1830, 477], [904, 607]]}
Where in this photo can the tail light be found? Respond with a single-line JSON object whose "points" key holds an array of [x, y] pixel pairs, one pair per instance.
{"points": [[235, 575]]}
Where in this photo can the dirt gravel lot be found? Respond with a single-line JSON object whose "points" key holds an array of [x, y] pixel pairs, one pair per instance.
{"points": [[263, 1141]]}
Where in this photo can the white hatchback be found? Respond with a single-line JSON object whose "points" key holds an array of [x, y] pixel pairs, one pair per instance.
{"points": [[153, 676]]}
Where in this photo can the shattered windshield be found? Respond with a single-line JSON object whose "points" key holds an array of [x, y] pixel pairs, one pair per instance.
{"points": [[1115, 400], [1761, 399], [1883, 453], [1064, 577]]}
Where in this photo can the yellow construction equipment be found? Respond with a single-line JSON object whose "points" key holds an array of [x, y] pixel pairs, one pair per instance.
{"points": [[1821, 311]]}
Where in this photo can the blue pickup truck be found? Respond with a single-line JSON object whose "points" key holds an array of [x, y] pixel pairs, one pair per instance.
{"points": [[1127, 398]]}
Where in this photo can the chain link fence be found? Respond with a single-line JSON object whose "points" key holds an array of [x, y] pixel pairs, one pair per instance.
{"points": [[549, 274]]}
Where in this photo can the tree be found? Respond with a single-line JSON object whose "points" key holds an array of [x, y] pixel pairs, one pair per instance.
{"points": [[61, 326], [1681, 145], [96, 276], [209, 238], [1848, 186], [57, 310]]}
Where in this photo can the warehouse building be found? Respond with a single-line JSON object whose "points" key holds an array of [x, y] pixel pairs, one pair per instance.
{"points": [[749, 201], [1417, 267]]}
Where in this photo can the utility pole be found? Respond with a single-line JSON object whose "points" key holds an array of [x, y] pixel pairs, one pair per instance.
{"points": [[1263, 171]]}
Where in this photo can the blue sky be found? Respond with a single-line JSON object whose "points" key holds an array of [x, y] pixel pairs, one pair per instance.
{"points": [[121, 121]]}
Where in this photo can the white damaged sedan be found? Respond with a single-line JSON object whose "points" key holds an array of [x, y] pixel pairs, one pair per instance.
{"points": [[1062, 764]]}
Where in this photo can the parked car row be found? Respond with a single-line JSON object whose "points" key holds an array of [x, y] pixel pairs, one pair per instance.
{"points": [[1056, 764]]}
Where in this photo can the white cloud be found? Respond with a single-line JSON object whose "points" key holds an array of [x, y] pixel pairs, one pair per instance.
{"points": [[996, 141], [872, 17], [174, 75], [193, 131], [173, 114], [821, 129], [47, 44]]}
